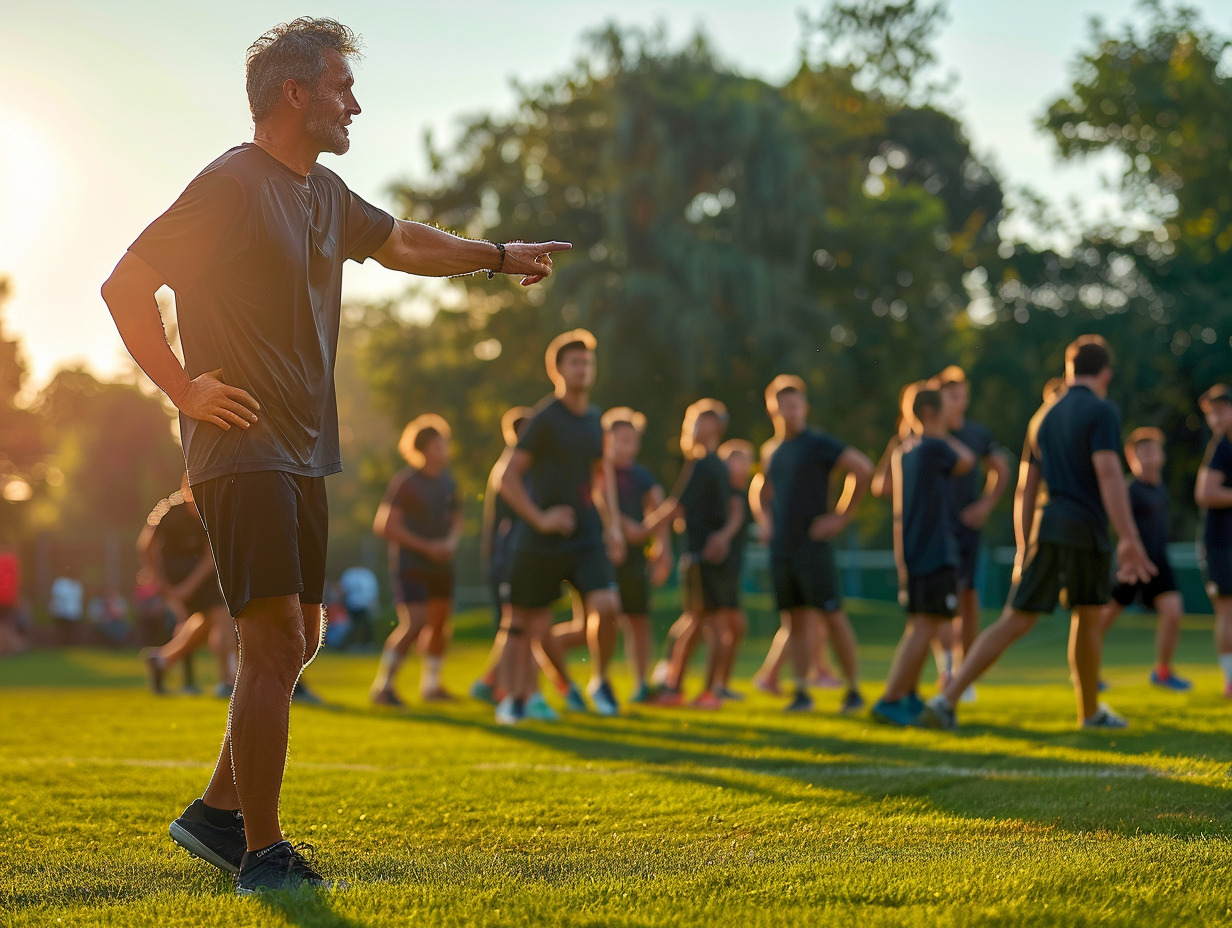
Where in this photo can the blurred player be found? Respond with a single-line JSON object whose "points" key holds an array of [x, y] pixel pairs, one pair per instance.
{"points": [[639, 495], [420, 518], [795, 504], [732, 625], [1073, 447], [1148, 500], [926, 547], [1213, 492], [563, 536]]}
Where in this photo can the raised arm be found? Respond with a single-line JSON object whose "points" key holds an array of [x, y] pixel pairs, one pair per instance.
{"points": [[1133, 565], [129, 295], [883, 479], [416, 248]]}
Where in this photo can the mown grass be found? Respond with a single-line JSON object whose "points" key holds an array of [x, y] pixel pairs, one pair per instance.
{"points": [[744, 817]]}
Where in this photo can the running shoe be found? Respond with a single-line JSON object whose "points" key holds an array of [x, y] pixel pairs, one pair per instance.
{"points": [[483, 692], [1104, 718], [913, 702], [154, 671], [386, 697], [658, 676], [604, 699], [898, 713], [223, 690], [768, 686], [280, 866], [968, 695], [1171, 682], [574, 700], [437, 694], [801, 702], [852, 702], [508, 712], [302, 694], [825, 680], [708, 700], [538, 710], [937, 713], [642, 694], [668, 698], [222, 847], [728, 695], [1227, 690]]}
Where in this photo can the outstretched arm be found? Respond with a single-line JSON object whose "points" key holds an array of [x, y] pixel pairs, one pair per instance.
{"points": [[1133, 565], [416, 248]]}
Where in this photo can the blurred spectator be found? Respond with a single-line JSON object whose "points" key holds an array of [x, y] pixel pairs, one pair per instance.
{"points": [[338, 622], [155, 620], [65, 607], [361, 595], [108, 615], [12, 638]]}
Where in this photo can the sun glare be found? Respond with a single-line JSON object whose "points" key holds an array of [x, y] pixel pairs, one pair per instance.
{"points": [[29, 184]]}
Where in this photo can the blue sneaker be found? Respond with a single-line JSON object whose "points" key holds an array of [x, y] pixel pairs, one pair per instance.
{"points": [[913, 702], [508, 712], [898, 714], [483, 692], [574, 700], [1171, 682], [643, 693], [604, 699], [538, 710]]}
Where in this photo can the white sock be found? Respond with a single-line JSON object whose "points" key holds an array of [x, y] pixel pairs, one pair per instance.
{"points": [[1225, 662], [390, 662], [431, 673]]}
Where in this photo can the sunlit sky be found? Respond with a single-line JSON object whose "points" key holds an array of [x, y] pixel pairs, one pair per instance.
{"points": [[110, 109]]}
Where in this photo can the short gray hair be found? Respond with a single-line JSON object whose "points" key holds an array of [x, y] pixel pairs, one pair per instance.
{"points": [[293, 51]]}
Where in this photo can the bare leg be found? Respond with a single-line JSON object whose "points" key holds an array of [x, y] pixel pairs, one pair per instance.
{"points": [[538, 625], [989, 645], [968, 618], [769, 670], [411, 619], [1170, 608], [224, 643], [843, 640], [433, 642], [732, 626], [190, 636], [821, 648], [570, 635], [683, 650], [799, 648], [602, 607], [1085, 650], [637, 645], [910, 657]]}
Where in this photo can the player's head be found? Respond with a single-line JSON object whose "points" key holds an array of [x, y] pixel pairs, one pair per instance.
{"points": [[1088, 356], [926, 407], [513, 422], [300, 71], [737, 454], [570, 361], [1145, 451], [622, 434], [1054, 389], [1216, 405], [425, 443], [955, 395], [787, 402], [702, 430]]}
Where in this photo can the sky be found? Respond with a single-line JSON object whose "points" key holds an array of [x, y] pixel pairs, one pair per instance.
{"points": [[111, 108]]}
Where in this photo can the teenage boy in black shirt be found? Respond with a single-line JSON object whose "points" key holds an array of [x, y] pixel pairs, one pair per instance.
{"points": [[1073, 447], [1213, 492]]}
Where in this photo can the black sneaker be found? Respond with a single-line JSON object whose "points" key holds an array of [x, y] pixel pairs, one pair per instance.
{"points": [[222, 847], [852, 702], [153, 670], [279, 866], [801, 702]]}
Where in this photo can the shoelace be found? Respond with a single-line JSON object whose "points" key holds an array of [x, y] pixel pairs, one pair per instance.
{"points": [[300, 860]]}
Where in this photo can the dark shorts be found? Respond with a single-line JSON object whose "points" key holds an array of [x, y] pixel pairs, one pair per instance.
{"points": [[268, 530], [414, 586], [707, 587], [207, 596], [807, 578], [933, 594], [968, 558], [634, 586], [536, 576], [1217, 569], [1124, 594], [1084, 574]]}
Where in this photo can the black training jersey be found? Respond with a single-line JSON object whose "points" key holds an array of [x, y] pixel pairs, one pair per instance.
{"points": [[1062, 438], [564, 448], [632, 485], [254, 253], [927, 504], [705, 500], [1149, 503], [426, 506], [799, 474], [179, 535], [1217, 531], [968, 487]]}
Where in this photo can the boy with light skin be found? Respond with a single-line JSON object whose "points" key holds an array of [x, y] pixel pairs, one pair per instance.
{"points": [[1213, 492], [570, 530], [796, 511], [1148, 499], [420, 518], [1073, 447], [737, 454], [925, 547]]}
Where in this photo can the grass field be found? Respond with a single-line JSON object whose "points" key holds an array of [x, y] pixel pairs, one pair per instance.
{"points": [[745, 817]]}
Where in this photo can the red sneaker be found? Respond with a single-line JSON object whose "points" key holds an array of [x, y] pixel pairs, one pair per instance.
{"points": [[707, 700]]}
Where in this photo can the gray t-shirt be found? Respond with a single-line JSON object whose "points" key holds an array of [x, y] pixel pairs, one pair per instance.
{"points": [[254, 253]]}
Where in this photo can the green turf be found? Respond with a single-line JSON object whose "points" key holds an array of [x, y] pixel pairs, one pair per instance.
{"points": [[744, 817]]}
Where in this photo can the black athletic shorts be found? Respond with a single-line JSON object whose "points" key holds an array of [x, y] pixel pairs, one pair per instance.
{"points": [[268, 530], [207, 595], [1146, 593], [706, 587], [415, 585], [1084, 573], [807, 578], [536, 576], [932, 594], [968, 558], [1217, 569], [634, 586]]}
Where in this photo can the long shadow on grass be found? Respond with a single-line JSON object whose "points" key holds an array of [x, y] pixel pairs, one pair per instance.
{"points": [[1095, 795], [308, 908]]}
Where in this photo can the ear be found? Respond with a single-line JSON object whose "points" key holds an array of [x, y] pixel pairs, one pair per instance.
{"points": [[296, 94]]}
